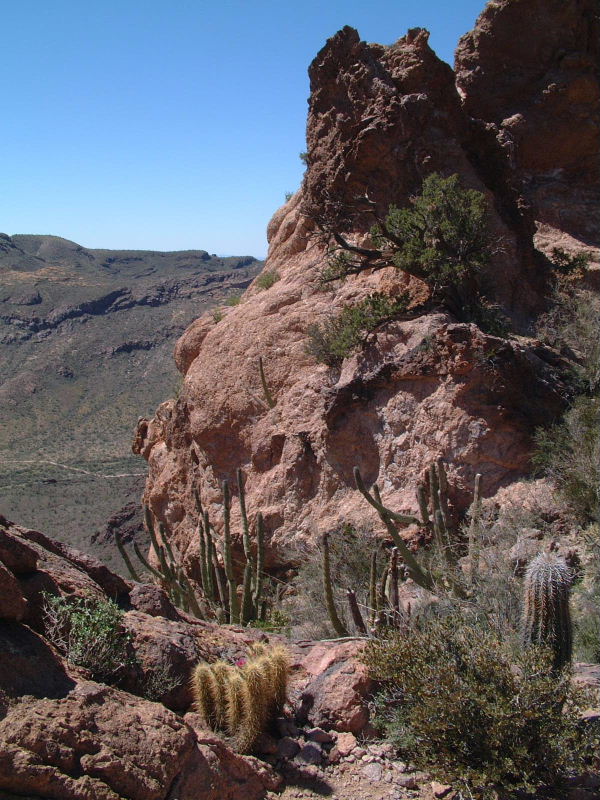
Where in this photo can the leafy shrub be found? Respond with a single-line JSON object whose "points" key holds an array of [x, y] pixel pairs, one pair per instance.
{"points": [[217, 314], [569, 453], [573, 325], [332, 341], [266, 279], [89, 632], [442, 238], [586, 599], [442, 235], [453, 702]]}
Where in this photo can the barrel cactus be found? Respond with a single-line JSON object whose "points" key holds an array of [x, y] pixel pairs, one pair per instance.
{"points": [[546, 615]]}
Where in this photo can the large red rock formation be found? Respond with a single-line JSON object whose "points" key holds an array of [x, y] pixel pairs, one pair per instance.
{"points": [[380, 119], [65, 736], [529, 69]]}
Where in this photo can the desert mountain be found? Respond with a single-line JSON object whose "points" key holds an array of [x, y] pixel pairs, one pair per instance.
{"points": [[87, 338]]}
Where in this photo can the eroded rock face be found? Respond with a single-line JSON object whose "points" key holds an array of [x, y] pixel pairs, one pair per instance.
{"points": [[380, 119], [529, 69], [66, 737]]}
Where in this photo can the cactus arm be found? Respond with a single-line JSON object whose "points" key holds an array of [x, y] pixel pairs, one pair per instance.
{"points": [[260, 561], [474, 512], [355, 611], [234, 606], [126, 559], [244, 515], [403, 519], [265, 387], [416, 573], [422, 501], [373, 586], [145, 563], [328, 590], [394, 592], [247, 606]]}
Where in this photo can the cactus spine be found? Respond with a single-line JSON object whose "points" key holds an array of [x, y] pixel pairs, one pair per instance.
{"points": [[241, 700], [546, 615]]}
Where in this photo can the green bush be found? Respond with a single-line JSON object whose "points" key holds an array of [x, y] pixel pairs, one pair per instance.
{"points": [[454, 702], [569, 453], [332, 341], [233, 300], [89, 632], [266, 279], [442, 238]]}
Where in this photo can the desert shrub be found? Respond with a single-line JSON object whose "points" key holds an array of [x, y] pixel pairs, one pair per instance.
{"points": [[569, 453], [89, 632], [586, 599], [454, 702], [573, 325], [159, 681], [441, 237], [233, 300], [217, 314], [305, 604], [332, 341], [266, 279]]}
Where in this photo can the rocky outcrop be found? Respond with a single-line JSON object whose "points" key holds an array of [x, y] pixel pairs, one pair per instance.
{"points": [[380, 119], [68, 737], [529, 72]]}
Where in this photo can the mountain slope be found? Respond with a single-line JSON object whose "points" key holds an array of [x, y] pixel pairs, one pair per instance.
{"points": [[87, 339]]}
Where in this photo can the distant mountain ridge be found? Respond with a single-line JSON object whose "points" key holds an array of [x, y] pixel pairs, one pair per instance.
{"points": [[86, 340]]}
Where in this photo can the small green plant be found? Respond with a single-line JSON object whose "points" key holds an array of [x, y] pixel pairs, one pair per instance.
{"points": [[90, 633], [242, 699], [456, 703], [332, 341], [217, 314], [566, 264], [267, 278], [304, 158], [288, 196], [233, 300]]}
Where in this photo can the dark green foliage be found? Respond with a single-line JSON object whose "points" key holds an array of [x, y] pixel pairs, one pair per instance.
{"points": [[454, 703], [90, 633], [333, 340], [566, 264], [569, 453], [442, 236]]}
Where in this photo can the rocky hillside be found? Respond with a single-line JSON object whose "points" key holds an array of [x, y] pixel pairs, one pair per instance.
{"points": [[518, 120], [87, 339]]}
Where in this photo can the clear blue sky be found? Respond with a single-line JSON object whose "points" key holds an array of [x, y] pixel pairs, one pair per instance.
{"points": [[174, 124]]}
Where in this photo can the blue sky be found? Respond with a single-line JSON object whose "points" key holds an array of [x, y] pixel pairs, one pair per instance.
{"points": [[171, 125]]}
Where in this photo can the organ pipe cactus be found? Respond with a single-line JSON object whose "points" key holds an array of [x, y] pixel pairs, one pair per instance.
{"points": [[383, 601], [218, 595], [546, 615]]}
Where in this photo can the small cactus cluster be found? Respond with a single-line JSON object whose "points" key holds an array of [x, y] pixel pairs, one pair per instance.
{"points": [[383, 601], [546, 615], [217, 593], [241, 700]]}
